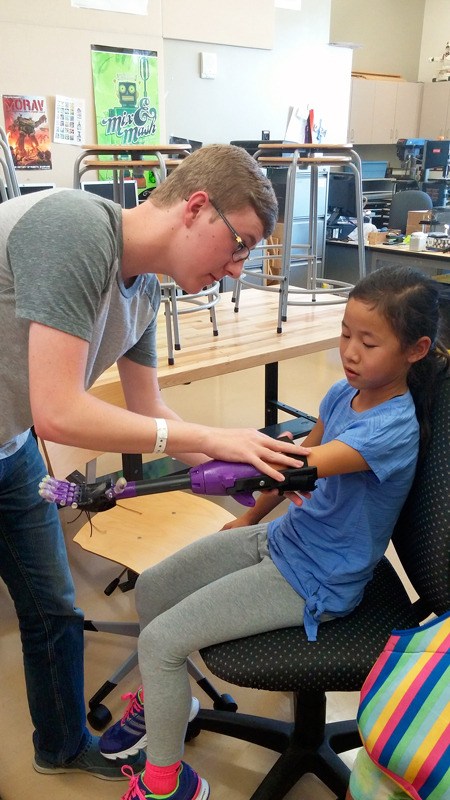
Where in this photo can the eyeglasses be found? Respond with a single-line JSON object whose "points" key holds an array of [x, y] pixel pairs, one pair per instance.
{"points": [[242, 252]]}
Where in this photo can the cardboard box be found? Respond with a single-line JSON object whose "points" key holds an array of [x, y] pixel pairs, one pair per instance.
{"points": [[377, 237], [414, 219]]}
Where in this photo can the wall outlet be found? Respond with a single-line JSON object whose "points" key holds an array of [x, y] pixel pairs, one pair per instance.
{"points": [[208, 65]]}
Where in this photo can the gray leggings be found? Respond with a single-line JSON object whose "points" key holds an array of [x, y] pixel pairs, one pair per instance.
{"points": [[222, 587]]}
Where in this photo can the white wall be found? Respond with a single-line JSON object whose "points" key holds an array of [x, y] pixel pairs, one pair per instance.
{"points": [[435, 35], [248, 24], [254, 88], [390, 32], [47, 52]]}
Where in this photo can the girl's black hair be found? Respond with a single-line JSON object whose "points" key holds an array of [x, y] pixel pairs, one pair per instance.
{"points": [[409, 301]]}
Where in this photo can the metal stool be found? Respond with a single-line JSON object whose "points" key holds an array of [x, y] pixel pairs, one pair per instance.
{"points": [[304, 157], [150, 157], [177, 303]]}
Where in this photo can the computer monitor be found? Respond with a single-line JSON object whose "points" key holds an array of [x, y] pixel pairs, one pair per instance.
{"points": [[29, 188], [252, 145], [341, 196], [105, 189], [195, 145]]}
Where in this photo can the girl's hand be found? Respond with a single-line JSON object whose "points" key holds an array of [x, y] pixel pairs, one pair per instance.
{"points": [[244, 521], [297, 497]]}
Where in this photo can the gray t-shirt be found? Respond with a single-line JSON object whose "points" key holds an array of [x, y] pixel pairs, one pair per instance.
{"points": [[60, 259]]}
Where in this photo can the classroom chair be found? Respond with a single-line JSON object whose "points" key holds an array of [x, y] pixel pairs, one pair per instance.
{"points": [[402, 203], [284, 661]]}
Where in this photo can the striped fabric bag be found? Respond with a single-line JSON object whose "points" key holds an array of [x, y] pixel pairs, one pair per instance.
{"points": [[404, 713]]}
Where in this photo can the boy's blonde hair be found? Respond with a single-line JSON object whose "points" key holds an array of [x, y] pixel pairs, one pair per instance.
{"points": [[230, 176]]}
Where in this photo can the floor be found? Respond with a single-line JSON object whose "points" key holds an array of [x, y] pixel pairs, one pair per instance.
{"points": [[233, 769]]}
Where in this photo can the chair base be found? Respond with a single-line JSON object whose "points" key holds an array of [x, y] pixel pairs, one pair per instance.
{"points": [[306, 745]]}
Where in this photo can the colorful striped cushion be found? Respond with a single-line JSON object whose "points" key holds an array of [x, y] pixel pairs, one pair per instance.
{"points": [[404, 713]]}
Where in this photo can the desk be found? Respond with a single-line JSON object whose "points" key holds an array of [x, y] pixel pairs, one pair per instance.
{"points": [[341, 259], [341, 262], [246, 340], [146, 156]]}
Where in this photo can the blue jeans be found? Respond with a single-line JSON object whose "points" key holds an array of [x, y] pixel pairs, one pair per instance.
{"points": [[34, 566]]}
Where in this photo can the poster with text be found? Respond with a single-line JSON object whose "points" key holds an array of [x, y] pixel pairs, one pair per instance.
{"points": [[126, 102], [27, 129], [69, 120]]}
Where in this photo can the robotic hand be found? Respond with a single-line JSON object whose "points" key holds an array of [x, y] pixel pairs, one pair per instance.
{"points": [[211, 478]]}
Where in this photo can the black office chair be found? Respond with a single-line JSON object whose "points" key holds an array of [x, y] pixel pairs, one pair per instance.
{"points": [[347, 648], [402, 202]]}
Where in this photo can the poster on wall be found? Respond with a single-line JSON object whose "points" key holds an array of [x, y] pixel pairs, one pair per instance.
{"points": [[69, 120], [27, 129], [126, 102]]}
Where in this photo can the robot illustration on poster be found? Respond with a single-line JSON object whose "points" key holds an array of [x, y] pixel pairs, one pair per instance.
{"points": [[27, 130]]}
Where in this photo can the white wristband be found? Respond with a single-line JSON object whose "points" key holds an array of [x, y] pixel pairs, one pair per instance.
{"points": [[162, 434]]}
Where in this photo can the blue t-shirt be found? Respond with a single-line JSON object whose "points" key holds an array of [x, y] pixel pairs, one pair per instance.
{"points": [[328, 548]]}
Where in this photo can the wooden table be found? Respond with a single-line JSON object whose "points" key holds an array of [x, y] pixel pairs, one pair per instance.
{"points": [[245, 340]]}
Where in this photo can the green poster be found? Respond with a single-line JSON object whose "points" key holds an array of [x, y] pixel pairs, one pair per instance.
{"points": [[126, 101]]}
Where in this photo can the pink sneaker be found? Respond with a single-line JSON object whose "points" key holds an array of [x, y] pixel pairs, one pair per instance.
{"points": [[189, 786]]}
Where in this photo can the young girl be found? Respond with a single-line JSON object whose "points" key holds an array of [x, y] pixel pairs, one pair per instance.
{"points": [[312, 563]]}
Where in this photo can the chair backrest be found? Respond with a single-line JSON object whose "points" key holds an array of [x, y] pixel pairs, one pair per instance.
{"points": [[422, 534], [402, 202], [9, 170]]}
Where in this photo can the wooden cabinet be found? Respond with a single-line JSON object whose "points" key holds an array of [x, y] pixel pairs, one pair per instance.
{"points": [[407, 110], [383, 111], [362, 100], [435, 114]]}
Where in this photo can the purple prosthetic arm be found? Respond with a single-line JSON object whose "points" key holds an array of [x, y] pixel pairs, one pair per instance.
{"points": [[211, 478]]}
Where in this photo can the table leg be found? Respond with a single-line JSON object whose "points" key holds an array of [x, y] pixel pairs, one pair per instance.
{"points": [[132, 466], [271, 393], [299, 426]]}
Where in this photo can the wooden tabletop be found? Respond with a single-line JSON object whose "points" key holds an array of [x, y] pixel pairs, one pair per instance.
{"points": [[404, 249], [136, 148], [329, 160], [145, 163], [323, 146], [246, 339]]}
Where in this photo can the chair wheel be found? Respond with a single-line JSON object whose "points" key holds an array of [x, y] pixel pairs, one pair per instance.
{"points": [[192, 731], [99, 717], [225, 703]]}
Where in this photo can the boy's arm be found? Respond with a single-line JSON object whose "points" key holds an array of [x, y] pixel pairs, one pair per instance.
{"points": [[64, 412], [143, 396], [332, 458], [268, 501]]}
